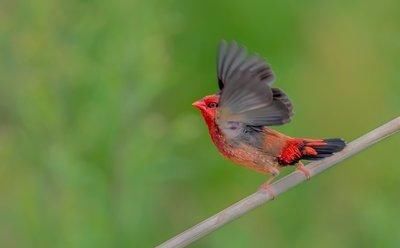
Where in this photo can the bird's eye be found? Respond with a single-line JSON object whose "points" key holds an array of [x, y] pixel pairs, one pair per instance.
{"points": [[212, 105]]}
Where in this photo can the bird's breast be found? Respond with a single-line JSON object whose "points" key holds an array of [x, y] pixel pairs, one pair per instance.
{"points": [[242, 154]]}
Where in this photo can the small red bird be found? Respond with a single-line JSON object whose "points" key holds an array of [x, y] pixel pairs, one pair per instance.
{"points": [[239, 115]]}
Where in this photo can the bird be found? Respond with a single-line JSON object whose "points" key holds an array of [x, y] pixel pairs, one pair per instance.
{"points": [[240, 114]]}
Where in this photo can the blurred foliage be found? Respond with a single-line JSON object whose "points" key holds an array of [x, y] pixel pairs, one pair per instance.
{"points": [[100, 146]]}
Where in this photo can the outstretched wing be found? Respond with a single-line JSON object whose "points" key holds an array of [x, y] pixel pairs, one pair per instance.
{"points": [[247, 100]]}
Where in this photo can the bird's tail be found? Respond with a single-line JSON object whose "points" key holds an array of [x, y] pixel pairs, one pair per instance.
{"points": [[319, 149]]}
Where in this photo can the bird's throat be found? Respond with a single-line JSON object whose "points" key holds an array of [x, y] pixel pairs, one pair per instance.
{"points": [[215, 133]]}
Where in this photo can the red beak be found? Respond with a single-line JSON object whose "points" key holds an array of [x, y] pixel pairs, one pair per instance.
{"points": [[198, 104]]}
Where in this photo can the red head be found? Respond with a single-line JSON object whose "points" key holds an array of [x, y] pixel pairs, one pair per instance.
{"points": [[208, 106]]}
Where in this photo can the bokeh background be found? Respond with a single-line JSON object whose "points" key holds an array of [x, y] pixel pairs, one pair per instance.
{"points": [[100, 146]]}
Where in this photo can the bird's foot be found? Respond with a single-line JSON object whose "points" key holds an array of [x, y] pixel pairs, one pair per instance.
{"points": [[267, 187], [307, 173]]}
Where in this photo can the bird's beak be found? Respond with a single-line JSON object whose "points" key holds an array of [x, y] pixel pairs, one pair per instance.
{"points": [[198, 104]]}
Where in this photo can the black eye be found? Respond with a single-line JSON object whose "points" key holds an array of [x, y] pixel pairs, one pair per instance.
{"points": [[212, 105]]}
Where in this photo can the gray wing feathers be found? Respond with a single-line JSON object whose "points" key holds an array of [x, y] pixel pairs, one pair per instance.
{"points": [[246, 95], [230, 57], [281, 96], [244, 92], [246, 100], [233, 58]]}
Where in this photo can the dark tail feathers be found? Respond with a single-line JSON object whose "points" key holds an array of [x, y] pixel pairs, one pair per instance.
{"points": [[319, 149]]}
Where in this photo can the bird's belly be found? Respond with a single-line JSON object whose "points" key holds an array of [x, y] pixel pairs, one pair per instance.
{"points": [[251, 158], [244, 155]]}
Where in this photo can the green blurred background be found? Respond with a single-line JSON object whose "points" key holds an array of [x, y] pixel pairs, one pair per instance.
{"points": [[100, 146]]}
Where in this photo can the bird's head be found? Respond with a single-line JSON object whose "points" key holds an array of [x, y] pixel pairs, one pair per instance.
{"points": [[208, 106]]}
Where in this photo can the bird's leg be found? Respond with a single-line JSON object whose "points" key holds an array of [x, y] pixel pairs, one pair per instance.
{"points": [[300, 167], [267, 185]]}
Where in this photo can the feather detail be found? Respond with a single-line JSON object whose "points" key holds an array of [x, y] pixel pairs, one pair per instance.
{"points": [[291, 152], [309, 149], [233, 58], [246, 95]]}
